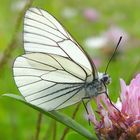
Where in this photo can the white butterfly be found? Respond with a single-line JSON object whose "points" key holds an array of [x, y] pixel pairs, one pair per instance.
{"points": [[55, 71]]}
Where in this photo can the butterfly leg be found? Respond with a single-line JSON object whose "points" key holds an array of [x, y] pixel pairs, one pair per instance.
{"points": [[85, 105], [111, 102], [109, 97]]}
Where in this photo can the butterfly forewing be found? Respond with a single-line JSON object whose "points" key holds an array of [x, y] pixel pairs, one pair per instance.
{"points": [[54, 70], [43, 30]]}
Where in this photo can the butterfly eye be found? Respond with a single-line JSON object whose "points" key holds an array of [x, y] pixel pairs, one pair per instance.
{"points": [[106, 79]]}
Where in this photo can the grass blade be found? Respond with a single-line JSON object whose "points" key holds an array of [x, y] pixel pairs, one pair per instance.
{"points": [[60, 117]]}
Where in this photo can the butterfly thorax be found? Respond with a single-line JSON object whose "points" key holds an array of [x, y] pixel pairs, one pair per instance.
{"points": [[97, 86]]}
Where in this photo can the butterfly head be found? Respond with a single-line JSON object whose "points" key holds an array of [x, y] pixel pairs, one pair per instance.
{"points": [[105, 78]]}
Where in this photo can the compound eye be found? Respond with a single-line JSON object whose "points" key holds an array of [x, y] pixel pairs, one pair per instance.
{"points": [[105, 79]]}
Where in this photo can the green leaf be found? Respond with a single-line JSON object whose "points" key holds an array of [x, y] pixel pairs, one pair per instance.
{"points": [[58, 117], [73, 136]]}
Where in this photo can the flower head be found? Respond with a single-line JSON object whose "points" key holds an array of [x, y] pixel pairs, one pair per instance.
{"points": [[91, 14], [69, 12], [113, 34], [119, 121]]}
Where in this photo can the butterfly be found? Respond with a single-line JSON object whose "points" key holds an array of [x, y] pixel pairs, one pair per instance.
{"points": [[55, 72]]}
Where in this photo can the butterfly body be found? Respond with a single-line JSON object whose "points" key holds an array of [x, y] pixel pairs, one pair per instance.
{"points": [[55, 72], [94, 89], [97, 86]]}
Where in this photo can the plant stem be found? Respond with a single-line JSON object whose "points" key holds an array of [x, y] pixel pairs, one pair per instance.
{"points": [[54, 130], [12, 45], [66, 130], [38, 126]]}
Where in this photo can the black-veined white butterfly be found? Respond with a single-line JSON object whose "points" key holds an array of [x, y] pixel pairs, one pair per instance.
{"points": [[55, 71]]}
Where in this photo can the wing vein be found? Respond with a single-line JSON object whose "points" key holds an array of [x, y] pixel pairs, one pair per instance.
{"points": [[68, 99], [41, 62], [53, 23], [27, 75], [34, 69], [37, 34], [42, 30], [59, 96], [73, 60], [39, 22], [29, 83], [44, 44], [60, 90], [65, 69], [64, 82], [41, 90]]}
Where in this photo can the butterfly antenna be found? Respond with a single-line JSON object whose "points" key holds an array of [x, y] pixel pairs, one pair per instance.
{"points": [[113, 54]]}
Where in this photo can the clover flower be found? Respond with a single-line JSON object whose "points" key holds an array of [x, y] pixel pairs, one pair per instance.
{"points": [[119, 121], [91, 14]]}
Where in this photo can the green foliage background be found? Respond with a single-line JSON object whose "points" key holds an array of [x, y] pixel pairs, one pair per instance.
{"points": [[17, 121]]}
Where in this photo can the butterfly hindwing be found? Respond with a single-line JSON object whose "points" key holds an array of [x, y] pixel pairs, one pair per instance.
{"points": [[44, 82]]}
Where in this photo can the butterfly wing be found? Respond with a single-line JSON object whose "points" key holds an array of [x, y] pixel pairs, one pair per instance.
{"points": [[54, 70], [43, 33], [46, 82]]}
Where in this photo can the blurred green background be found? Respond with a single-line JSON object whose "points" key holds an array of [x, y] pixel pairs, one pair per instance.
{"points": [[84, 20]]}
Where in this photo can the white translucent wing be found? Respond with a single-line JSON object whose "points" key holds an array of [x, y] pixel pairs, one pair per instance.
{"points": [[43, 33], [46, 82]]}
